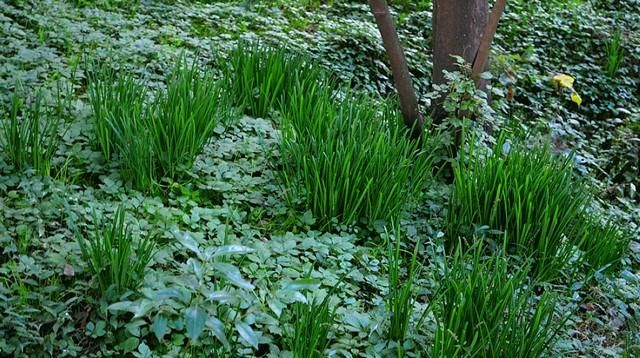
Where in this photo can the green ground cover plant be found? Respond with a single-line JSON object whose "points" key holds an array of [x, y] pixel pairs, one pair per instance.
{"points": [[403, 267], [348, 159], [261, 78], [604, 244], [160, 137], [312, 325], [615, 54], [29, 135], [116, 263], [115, 99], [267, 215], [335, 152], [484, 309], [182, 119], [528, 194]]}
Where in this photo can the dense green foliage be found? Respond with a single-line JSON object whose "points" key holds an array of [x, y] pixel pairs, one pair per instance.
{"points": [[402, 290], [339, 149], [115, 99], [29, 137], [352, 156], [530, 196], [604, 244], [485, 309], [261, 79], [312, 324], [525, 193], [162, 137], [113, 260], [268, 234]]}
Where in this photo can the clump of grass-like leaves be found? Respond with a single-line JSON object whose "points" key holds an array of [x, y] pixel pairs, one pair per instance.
{"points": [[401, 295], [615, 54], [631, 346], [261, 77], [116, 99], [486, 309], [528, 194], [345, 158], [309, 334], [183, 118], [348, 158], [29, 135], [114, 262], [158, 139], [604, 243]]}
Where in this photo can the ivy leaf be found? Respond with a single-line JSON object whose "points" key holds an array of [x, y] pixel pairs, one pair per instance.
{"points": [[194, 321], [196, 267], [133, 327], [302, 284], [232, 250], [143, 307], [232, 274], [220, 296], [291, 296], [307, 218], [138, 308], [96, 330], [164, 294], [217, 327], [276, 306], [187, 241], [144, 351], [127, 306], [129, 345], [247, 334], [159, 327]]}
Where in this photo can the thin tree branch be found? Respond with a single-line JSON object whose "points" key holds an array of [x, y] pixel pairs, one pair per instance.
{"points": [[482, 55], [401, 76]]}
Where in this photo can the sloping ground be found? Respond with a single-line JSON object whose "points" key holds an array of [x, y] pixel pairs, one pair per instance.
{"points": [[46, 304]]}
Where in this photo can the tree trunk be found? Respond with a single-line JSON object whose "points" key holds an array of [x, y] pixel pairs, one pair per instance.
{"points": [[458, 26], [401, 76], [482, 57]]}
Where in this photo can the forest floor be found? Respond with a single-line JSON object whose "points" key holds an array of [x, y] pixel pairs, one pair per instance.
{"points": [[233, 193]]}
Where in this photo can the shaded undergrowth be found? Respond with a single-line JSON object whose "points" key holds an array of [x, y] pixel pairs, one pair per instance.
{"points": [[532, 197], [156, 134], [344, 156]]}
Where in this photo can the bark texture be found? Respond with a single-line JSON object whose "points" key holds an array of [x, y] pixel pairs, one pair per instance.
{"points": [[482, 57], [458, 26], [401, 76]]}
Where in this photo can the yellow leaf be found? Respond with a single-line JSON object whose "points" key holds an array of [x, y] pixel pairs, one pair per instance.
{"points": [[576, 98], [563, 80]]}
